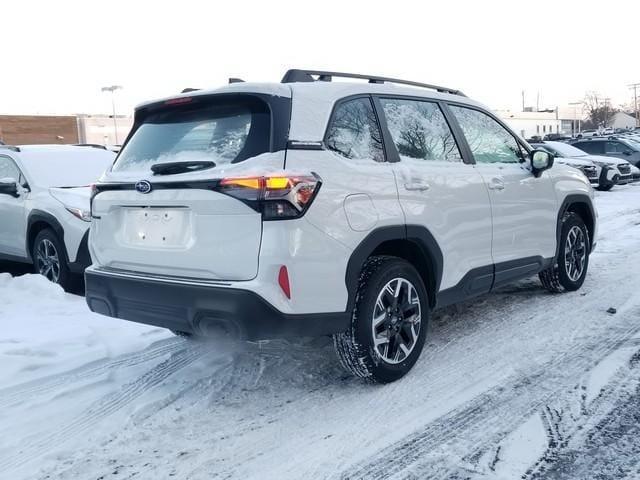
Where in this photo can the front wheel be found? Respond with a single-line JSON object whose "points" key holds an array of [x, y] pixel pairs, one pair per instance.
{"points": [[388, 324], [570, 269], [50, 259]]}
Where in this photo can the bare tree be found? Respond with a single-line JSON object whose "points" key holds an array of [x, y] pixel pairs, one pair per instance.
{"points": [[599, 111]]}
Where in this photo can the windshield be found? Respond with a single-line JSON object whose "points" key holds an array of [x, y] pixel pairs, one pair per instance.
{"points": [[220, 131], [66, 167], [564, 150]]}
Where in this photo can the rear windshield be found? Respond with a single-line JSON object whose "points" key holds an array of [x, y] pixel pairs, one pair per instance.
{"points": [[222, 131]]}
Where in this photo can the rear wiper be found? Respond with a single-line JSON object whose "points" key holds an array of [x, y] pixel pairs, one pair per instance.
{"points": [[173, 168]]}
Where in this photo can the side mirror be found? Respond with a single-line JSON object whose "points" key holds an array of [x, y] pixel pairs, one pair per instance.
{"points": [[8, 186], [541, 160], [627, 153]]}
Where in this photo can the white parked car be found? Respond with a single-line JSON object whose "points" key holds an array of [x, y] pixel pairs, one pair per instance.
{"points": [[318, 208], [611, 170], [44, 206]]}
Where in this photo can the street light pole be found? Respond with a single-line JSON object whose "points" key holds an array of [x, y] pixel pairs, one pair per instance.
{"points": [[113, 89], [575, 104]]}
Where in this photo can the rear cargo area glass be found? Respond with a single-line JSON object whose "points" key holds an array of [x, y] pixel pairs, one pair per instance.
{"points": [[219, 130]]}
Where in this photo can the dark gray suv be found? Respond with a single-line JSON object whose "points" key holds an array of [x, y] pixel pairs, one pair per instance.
{"points": [[611, 147]]}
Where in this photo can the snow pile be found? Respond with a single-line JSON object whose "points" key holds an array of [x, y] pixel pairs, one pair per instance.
{"points": [[45, 330]]}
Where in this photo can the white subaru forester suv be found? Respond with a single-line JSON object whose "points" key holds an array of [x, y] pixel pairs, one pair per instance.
{"points": [[311, 207]]}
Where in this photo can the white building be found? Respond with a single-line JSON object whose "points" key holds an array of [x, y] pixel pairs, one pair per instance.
{"points": [[529, 124], [622, 120], [102, 130]]}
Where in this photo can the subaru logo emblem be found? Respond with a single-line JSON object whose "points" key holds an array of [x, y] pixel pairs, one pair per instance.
{"points": [[143, 186]]}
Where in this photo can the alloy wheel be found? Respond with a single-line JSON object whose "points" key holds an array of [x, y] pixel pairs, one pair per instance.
{"points": [[47, 260], [396, 320], [575, 253]]}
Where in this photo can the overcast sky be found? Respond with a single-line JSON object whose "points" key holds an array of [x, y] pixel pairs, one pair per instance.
{"points": [[56, 55]]}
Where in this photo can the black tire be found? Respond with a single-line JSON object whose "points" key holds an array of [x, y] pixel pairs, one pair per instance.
{"points": [[47, 241], [557, 278], [356, 349]]}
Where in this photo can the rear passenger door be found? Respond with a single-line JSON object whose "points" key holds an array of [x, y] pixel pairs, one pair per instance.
{"points": [[524, 208], [439, 191]]}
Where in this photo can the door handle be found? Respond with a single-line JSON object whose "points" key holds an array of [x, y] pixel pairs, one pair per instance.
{"points": [[416, 186], [496, 184]]}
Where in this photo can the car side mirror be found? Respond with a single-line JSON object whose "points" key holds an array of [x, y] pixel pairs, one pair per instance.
{"points": [[8, 186], [627, 153], [541, 160]]}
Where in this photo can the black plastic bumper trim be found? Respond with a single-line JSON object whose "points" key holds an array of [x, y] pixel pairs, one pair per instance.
{"points": [[203, 310]]}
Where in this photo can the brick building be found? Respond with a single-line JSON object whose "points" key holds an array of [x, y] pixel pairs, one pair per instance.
{"points": [[38, 129]]}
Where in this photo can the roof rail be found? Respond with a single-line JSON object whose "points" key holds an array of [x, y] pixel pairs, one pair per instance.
{"points": [[10, 147], [189, 89], [235, 80], [296, 75]]}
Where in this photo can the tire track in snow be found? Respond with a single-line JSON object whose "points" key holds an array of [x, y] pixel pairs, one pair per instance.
{"points": [[40, 444], [492, 411], [41, 386]]}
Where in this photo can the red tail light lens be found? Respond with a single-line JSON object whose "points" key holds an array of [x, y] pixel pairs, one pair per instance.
{"points": [[277, 197]]}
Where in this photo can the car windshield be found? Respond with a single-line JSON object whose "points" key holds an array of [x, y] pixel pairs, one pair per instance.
{"points": [[219, 131], [66, 167], [564, 150]]}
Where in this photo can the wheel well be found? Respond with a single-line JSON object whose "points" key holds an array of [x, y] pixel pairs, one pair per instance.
{"points": [[34, 229], [416, 256], [584, 212]]}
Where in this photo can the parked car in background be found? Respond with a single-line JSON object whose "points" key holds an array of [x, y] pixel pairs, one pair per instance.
{"points": [[236, 212], [556, 137], [587, 133], [619, 147], [44, 206], [608, 131], [607, 172], [587, 167]]}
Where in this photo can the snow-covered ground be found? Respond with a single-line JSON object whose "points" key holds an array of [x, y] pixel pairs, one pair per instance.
{"points": [[517, 384]]}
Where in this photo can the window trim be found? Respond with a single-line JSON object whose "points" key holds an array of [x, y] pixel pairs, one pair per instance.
{"points": [[453, 126], [347, 99], [520, 142]]}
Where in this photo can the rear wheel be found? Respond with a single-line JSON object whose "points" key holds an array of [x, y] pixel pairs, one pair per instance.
{"points": [[389, 321], [570, 269], [50, 258]]}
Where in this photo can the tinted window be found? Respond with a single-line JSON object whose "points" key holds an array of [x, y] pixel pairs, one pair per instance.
{"points": [[222, 131], [591, 147], [354, 131], [489, 141], [616, 147], [8, 169], [419, 130]]}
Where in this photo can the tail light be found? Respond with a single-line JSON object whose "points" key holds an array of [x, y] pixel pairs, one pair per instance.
{"points": [[278, 197]]}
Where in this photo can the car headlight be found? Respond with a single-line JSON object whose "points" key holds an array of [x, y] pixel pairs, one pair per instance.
{"points": [[84, 215]]}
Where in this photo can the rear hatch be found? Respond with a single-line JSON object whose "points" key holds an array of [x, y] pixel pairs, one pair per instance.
{"points": [[162, 208]]}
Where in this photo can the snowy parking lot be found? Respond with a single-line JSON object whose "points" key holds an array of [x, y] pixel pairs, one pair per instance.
{"points": [[516, 384]]}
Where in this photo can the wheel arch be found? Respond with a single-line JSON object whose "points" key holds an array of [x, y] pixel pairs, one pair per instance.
{"points": [[413, 243], [39, 220], [582, 206]]}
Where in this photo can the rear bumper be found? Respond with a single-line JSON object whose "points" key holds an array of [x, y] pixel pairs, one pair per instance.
{"points": [[201, 309]]}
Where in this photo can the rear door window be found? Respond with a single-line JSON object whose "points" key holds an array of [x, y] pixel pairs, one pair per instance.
{"points": [[220, 131], [594, 148], [419, 130]]}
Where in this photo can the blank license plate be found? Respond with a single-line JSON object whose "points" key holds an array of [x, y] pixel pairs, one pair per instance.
{"points": [[157, 227]]}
